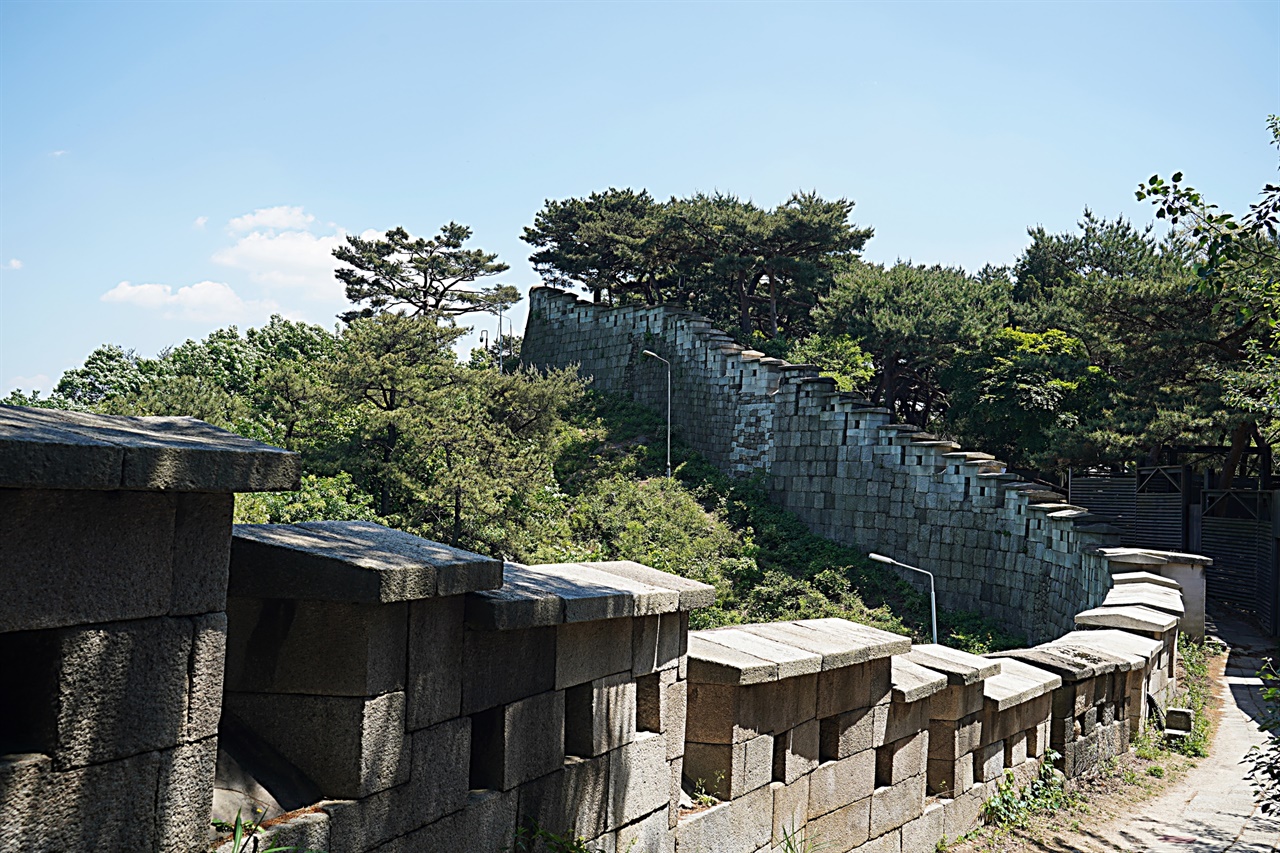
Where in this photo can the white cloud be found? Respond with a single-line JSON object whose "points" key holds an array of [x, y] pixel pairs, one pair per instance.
{"points": [[56, 153], [294, 259], [280, 218], [213, 301], [200, 221], [14, 264]]}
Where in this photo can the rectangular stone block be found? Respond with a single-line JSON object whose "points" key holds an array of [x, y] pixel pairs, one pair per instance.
{"points": [[347, 746], [321, 648], [205, 669], [639, 779], [589, 650], [439, 778], [713, 714], [956, 701], [738, 826], [517, 742], [953, 738], [184, 798], [1015, 749], [902, 759], [901, 719], [109, 556], [487, 823], [75, 814], [842, 829], [946, 776], [658, 642], [1038, 739], [988, 762], [505, 666], [923, 834], [22, 780], [961, 814], [648, 833], [795, 752], [837, 783], [790, 807], [569, 802], [848, 733], [434, 681], [599, 715], [201, 553], [858, 686], [728, 771], [894, 805]]}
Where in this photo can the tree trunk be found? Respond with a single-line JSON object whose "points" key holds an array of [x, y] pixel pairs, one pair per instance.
{"points": [[457, 517], [744, 309], [1239, 443], [773, 307], [1265, 459]]}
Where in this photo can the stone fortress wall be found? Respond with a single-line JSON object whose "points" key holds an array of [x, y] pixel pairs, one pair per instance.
{"points": [[378, 692], [995, 544]]}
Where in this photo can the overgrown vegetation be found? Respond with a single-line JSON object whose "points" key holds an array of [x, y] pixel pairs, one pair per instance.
{"points": [[1012, 806]]}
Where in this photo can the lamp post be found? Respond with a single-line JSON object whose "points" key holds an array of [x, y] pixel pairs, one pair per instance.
{"points": [[933, 600], [652, 354]]}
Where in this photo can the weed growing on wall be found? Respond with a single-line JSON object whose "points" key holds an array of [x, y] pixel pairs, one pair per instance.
{"points": [[1013, 807], [1195, 691]]}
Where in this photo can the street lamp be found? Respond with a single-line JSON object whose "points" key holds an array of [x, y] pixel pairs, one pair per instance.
{"points": [[933, 600], [652, 354]]}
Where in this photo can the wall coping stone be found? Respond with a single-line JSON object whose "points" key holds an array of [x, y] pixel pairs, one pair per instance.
{"points": [[959, 667], [54, 449], [351, 561], [1151, 557], [1128, 617], [1018, 682], [1139, 650], [1146, 595], [1072, 663], [558, 593], [1145, 577], [912, 682], [755, 654], [840, 642]]}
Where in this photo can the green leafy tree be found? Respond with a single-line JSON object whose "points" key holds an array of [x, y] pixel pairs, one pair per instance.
{"points": [[912, 320], [1016, 394], [108, 371], [428, 276], [836, 357]]}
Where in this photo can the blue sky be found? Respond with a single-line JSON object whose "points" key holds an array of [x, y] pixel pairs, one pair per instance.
{"points": [[170, 168]]}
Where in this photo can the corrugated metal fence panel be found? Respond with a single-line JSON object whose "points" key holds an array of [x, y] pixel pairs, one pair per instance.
{"points": [[1244, 564], [1114, 497], [1160, 519]]}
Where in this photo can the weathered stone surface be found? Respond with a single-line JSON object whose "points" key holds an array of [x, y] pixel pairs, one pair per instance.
{"points": [[988, 762], [894, 805], [1016, 683], [439, 779], [52, 449], [913, 682], [845, 734], [590, 650], [348, 746], [22, 779], [1128, 618], [850, 687], [351, 561], [110, 557], [738, 826], [550, 594], [961, 814], [205, 670], [728, 771], [1145, 577], [75, 816], [184, 797], [600, 715], [788, 661], [692, 593], [1150, 595], [201, 553], [838, 642], [325, 648], [844, 828], [1139, 651], [518, 742], [639, 779], [503, 666], [795, 752], [902, 759], [648, 833], [713, 663], [571, 801], [923, 834], [790, 808], [959, 667], [836, 783], [486, 824], [433, 688]]}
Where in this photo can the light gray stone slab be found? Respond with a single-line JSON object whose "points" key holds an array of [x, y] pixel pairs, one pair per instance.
{"points": [[959, 667], [555, 593], [791, 661], [1145, 577], [718, 664], [913, 682], [353, 561], [839, 642], [49, 448], [1017, 682], [1129, 618], [1071, 664], [1139, 650], [1146, 595], [692, 593]]}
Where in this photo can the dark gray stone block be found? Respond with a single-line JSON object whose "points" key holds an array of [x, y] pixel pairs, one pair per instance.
{"points": [[109, 557], [352, 561], [439, 771], [504, 666], [322, 648], [201, 553], [184, 798], [91, 808], [47, 448], [22, 779], [349, 747], [205, 670], [434, 684]]}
